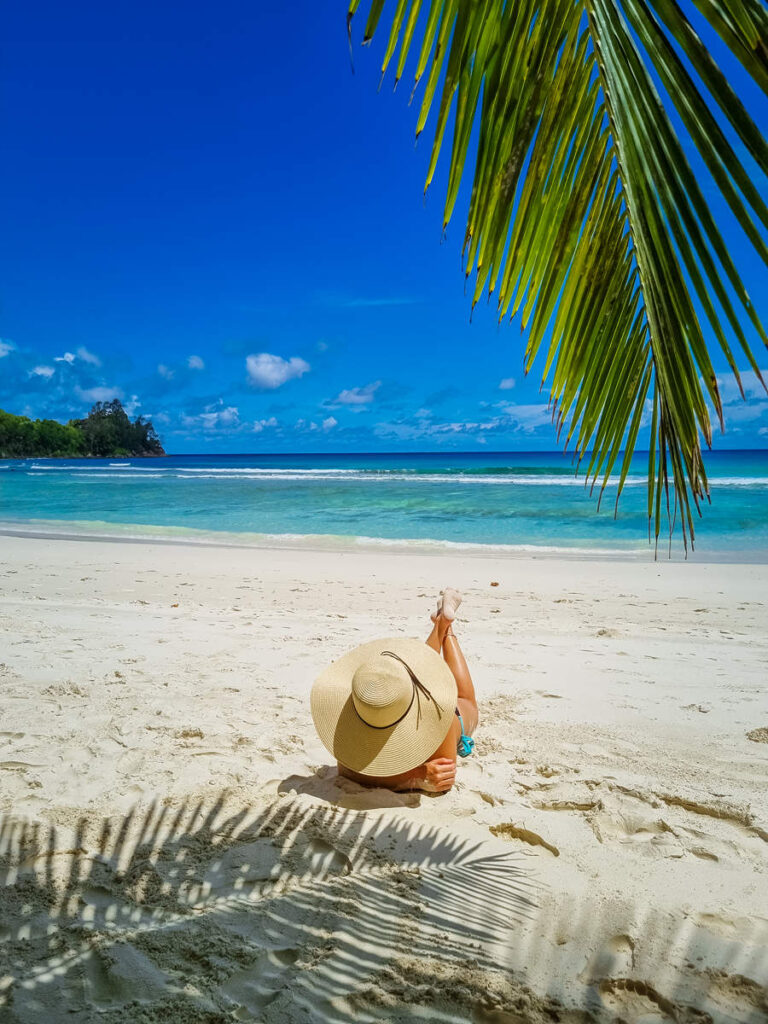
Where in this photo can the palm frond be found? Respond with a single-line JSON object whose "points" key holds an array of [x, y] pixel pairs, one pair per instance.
{"points": [[585, 216]]}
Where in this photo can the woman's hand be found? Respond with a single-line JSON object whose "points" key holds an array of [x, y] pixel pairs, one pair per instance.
{"points": [[439, 774]]}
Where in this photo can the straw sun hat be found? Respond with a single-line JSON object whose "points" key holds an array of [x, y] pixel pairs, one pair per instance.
{"points": [[385, 707]]}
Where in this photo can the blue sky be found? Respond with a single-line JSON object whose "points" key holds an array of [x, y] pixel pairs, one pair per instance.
{"points": [[207, 215]]}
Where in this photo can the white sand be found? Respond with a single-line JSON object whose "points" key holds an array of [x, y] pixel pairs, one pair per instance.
{"points": [[174, 845]]}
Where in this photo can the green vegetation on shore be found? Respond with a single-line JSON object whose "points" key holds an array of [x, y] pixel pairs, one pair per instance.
{"points": [[106, 431]]}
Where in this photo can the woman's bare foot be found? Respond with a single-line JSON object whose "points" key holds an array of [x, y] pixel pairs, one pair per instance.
{"points": [[451, 601]]}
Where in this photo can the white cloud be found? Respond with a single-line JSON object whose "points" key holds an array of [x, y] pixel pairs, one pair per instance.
{"points": [[88, 357], [528, 417], [42, 371], [269, 371], [739, 412], [647, 417], [98, 394], [165, 371], [357, 396], [729, 389], [514, 419], [5, 348], [463, 427], [82, 353], [260, 425], [132, 405], [507, 384], [226, 417], [213, 417], [195, 363], [746, 412], [330, 423]]}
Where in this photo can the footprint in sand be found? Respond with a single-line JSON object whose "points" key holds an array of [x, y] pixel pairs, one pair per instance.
{"points": [[748, 930], [616, 956], [635, 1001], [659, 824], [734, 997], [253, 869], [110, 978], [253, 988], [624, 820]]}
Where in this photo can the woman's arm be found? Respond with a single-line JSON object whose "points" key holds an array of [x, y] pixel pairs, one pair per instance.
{"points": [[438, 774]]}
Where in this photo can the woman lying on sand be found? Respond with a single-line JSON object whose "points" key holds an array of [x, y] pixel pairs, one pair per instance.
{"points": [[396, 714]]}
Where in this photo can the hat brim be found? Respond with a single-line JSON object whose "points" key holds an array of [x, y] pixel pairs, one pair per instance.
{"points": [[400, 747]]}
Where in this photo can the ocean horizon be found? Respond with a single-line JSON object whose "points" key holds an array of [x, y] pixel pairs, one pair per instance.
{"points": [[487, 501]]}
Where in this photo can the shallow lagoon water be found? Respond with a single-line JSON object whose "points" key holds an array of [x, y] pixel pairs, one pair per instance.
{"points": [[523, 501]]}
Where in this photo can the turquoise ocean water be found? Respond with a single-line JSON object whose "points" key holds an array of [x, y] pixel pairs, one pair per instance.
{"points": [[515, 500]]}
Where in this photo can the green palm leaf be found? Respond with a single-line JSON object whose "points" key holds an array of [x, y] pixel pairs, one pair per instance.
{"points": [[585, 217]]}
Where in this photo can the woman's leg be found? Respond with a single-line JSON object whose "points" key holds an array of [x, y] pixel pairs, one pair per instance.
{"points": [[454, 658], [435, 638]]}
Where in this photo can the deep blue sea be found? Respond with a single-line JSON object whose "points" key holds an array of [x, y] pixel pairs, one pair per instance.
{"points": [[515, 500]]}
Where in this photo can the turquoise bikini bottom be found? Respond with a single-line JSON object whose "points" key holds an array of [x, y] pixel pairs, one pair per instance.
{"points": [[466, 744]]}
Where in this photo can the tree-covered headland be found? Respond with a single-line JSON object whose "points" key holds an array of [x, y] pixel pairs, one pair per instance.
{"points": [[106, 431]]}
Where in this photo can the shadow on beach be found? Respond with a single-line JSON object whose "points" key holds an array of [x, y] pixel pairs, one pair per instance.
{"points": [[327, 785], [299, 910]]}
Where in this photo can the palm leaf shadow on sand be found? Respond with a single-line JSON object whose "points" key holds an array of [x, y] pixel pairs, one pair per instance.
{"points": [[301, 911], [231, 913]]}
